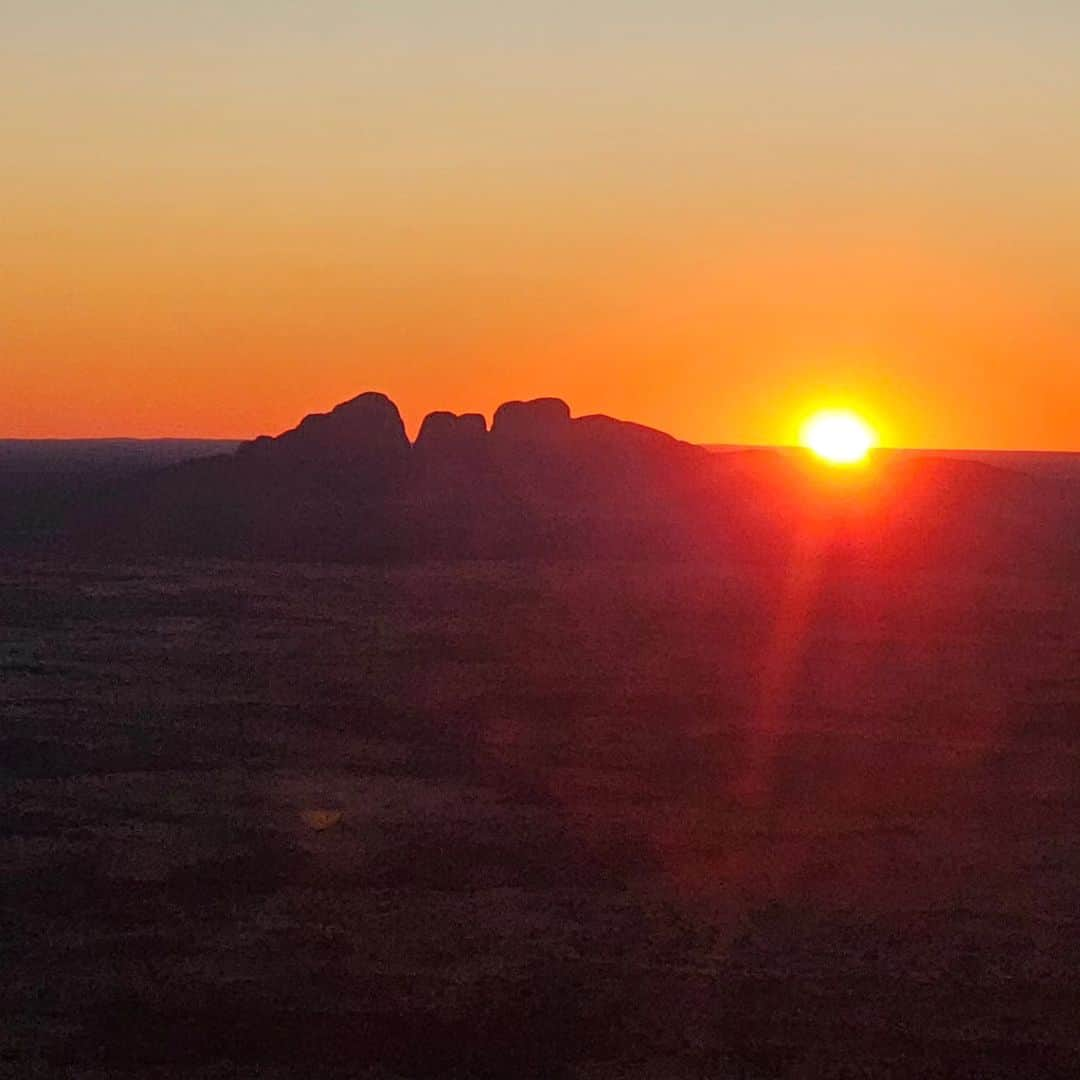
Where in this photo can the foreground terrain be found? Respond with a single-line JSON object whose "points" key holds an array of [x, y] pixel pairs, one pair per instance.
{"points": [[597, 820]]}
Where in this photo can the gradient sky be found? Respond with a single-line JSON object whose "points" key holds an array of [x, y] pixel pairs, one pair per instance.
{"points": [[704, 216]]}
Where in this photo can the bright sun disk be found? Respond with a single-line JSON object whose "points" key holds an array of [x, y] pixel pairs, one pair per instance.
{"points": [[839, 437]]}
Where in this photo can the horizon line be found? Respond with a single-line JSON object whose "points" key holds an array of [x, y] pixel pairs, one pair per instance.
{"points": [[712, 446]]}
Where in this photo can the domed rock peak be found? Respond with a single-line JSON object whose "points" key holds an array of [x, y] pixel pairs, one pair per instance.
{"points": [[540, 419], [364, 429], [448, 432]]}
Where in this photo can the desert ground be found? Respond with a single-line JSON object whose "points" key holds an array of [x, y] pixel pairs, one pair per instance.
{"points": [[651, 820]]}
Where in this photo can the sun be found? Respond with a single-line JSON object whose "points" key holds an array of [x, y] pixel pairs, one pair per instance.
{"points": [[839, 437]]}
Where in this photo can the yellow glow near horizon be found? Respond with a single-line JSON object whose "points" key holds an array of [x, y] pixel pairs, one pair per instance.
{"points": [[839, 437]]}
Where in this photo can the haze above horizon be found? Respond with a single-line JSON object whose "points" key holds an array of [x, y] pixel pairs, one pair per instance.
{"points": [[707, 218]]}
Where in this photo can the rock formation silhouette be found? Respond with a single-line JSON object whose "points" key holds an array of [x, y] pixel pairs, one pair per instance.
{"points": [[445, 433], [540, 420], [364, 433], [348, 485]]}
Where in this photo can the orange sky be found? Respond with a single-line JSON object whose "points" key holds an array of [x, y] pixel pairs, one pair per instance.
{"points": [[699, 216]]}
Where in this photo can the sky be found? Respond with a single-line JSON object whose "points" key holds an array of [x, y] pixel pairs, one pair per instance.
{"points": [[711, 217]]}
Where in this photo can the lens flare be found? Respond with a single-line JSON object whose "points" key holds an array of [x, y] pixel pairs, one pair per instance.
{"points": [[839, 437]]}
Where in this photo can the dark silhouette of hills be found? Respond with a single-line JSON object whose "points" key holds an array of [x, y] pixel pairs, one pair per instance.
{"points": [[348, 485]]}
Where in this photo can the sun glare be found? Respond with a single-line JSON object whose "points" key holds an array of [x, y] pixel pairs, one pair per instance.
{"points": [[839, 437]]}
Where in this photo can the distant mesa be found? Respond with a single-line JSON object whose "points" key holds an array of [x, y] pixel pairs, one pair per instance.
{"points": [[531, 421], [446, 432]]}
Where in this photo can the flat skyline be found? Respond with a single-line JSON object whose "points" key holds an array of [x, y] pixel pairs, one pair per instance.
{"points": [[707, 218]]}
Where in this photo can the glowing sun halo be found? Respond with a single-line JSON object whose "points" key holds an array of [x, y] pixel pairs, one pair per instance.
{"points": [[839, 437]]}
